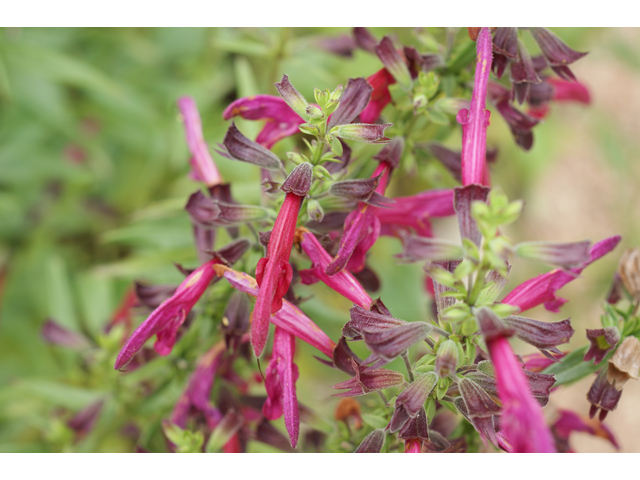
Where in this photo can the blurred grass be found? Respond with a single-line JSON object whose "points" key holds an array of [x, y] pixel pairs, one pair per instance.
{"points": [[93, 179]]}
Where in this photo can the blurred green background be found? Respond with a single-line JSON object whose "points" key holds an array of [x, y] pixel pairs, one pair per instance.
{"points": [[93, 181]]}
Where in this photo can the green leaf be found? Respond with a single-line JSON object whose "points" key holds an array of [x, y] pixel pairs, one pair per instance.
{"points": [[572, 368], [375, 421]]}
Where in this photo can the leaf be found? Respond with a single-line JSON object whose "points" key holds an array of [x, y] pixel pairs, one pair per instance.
{"points": [[572, 368], [375, 421]]}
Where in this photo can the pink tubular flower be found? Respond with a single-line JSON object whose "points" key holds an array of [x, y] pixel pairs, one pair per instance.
{"points": [[413, 445], [557, 90], [165, 320], [380, 96], [342, 282], [522, 419], [273, 272], [569, 422], [280, 382], [196, 397], [543, 288], [289, 318], [361, 229], [282, 121], [204, 169], [414, 212], [476, 120]]}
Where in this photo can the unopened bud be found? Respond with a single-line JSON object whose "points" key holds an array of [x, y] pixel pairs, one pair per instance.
{"points": [[394, 62], [363, 132], [420, 102], [625, 363], [296, 158], [447, 358], [564, 255], [293, 97], [313, 112], [315, 210], [299, 180], [372, 443]]}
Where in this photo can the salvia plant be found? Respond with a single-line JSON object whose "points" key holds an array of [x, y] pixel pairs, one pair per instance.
{"points": [[231, 332]]}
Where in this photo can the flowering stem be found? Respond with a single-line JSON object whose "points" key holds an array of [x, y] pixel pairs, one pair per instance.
{"points": [[407, 363]]}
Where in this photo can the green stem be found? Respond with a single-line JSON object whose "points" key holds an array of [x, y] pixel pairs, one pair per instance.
{"points": [[407, 363]]}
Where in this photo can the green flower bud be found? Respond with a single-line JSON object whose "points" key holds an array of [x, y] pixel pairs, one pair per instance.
{"points": [[447, 358]]}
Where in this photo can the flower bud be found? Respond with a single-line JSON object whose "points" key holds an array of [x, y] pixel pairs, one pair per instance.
{"points": [[394, 62], [447, 358], [625, 363], [629, 271], [354, 99], [315, 210], [293, 97], [372, 443], [411, 400], [365, 321], [363, 132], [388, 344], [209, 212], [542, 335], [491, 325], [299, 180], [564, 255], [238, 147]]}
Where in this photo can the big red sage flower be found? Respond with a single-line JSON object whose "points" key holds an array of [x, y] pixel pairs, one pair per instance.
{"points": [[476, 120], [204, 169], [343, 282], [542, 289], [362, 227], [280, 382], [273, 272], [521, 419], [167, 318], [282, 121]]}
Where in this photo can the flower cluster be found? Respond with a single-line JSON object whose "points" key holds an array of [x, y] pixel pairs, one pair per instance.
{"points": [[323, 209]]}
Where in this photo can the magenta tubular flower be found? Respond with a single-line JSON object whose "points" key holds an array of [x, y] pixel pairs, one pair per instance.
{"points": [[280, 382], [414, 212], [167, 318], [289, 318], [413, 445], [196, 397], [273, 272], [361, 230], [476, 120], [522, 419], [342, 282], [204, 169], [380, 96], [282, 121], [543, 288], [569, 422]]}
